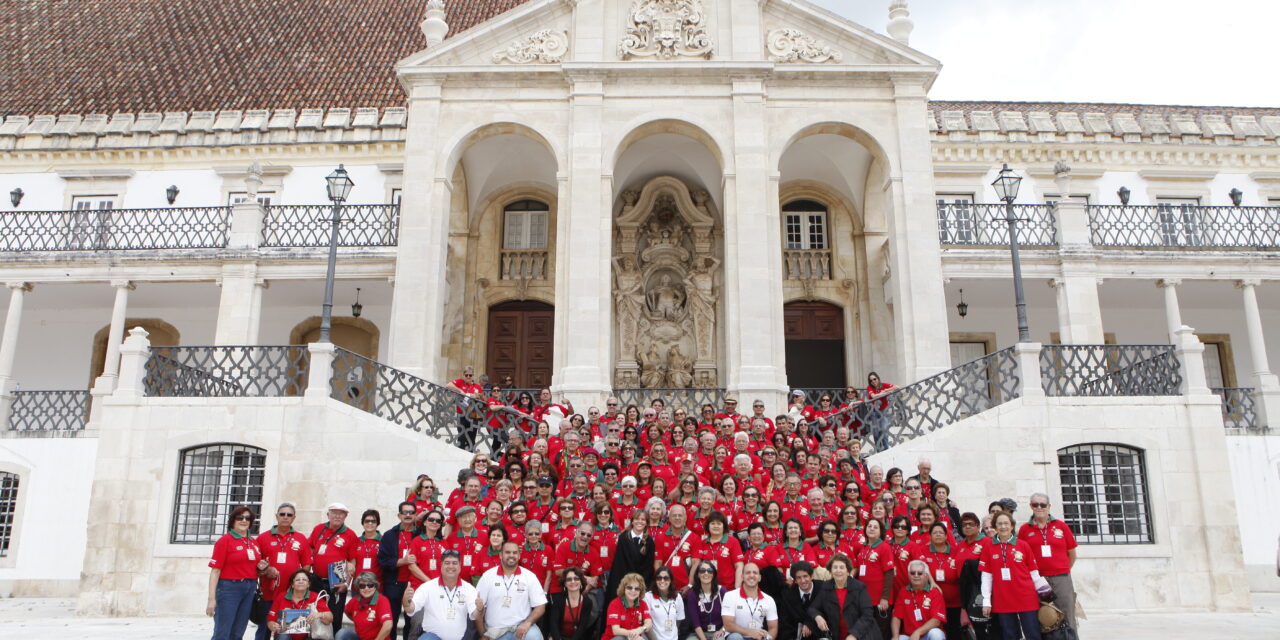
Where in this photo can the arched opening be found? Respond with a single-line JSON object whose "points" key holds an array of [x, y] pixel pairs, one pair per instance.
{"points": [[521, 343], [356, 335], [815, 345], [159, 332]]}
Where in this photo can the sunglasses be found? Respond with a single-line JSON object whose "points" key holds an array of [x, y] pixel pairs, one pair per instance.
{"points": [[571, 579], [369, 522], [1039, 505], [901, 527], [706, 570], [661, 578], [435, 520], [915, 573], [407, 513], [283, 514], [244, 517], [362, 587]]}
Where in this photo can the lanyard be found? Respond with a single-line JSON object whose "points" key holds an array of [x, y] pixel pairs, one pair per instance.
{"points": [[506, 584], [711, 602], [449, 595], [751, 610]]}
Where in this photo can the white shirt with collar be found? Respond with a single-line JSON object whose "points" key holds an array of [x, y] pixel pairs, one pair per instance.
{"points": [[509, 599], [437, 601]]}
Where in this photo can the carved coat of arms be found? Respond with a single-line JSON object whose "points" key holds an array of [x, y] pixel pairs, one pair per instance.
{"points": [[666, 29]]}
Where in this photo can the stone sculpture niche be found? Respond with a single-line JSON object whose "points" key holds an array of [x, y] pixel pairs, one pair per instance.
{"points": [[665, 290]]}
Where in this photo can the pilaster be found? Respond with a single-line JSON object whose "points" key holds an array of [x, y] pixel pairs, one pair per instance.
{"points": [[239, 305], [1079, 310], [9, 347]]}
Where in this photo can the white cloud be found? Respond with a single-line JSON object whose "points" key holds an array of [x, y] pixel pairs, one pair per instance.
{"points": [[1143, 51]]}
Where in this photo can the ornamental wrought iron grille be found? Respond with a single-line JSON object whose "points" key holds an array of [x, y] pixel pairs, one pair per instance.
{"points": [[115, 229], [414, 403], [213, 479], [1239, 407], [907, 412], [362, 225], [813, 396], [49, 412], [227, 371], [691, 400], [967, 223], [1110, 370], [1104, 494], [8, 509], [1185, 225]]}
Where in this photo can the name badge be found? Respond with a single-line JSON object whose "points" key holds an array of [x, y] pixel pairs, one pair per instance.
{"points": [[451, 613], [919, 616], [320, 552], [1004, 574], [862, 571], [753, 624], [431, 566], [1046, 551], [282, 557], [938, 575], [466, 561], [366, 564], [604, 552], [249, 552], [506, 601], [670, 625], [546, 526]]}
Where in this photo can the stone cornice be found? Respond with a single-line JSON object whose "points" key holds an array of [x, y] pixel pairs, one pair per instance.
{"points": [[172, 156], [1119, 127], [1113, 157]]}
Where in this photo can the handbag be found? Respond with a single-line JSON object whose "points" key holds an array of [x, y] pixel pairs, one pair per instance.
{"points": [[260, 608], [1051, 617], [320, 630]]}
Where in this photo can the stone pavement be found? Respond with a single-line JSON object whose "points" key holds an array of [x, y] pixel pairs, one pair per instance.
{"points": [[54, 618]]}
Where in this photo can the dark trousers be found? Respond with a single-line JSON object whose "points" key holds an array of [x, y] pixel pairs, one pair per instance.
{"points": [[952, 627], [395, 593], [337, 602], [1023, 624], [884, 621]]}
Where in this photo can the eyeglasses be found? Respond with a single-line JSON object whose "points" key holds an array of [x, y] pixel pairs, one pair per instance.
{"points": [[1039, 505], [566, 508], [245, 517], [407, 513], [757, 406], [661, 578], [435, 520], [481, 461], [830, 531], [530, 486], [707, 570], [362, 587], [913, 488], [569, 579], [284, 514], [915, 573], [632, 587], [369, 521]]}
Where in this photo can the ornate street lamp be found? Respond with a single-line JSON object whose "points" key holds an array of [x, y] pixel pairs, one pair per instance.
{"points": [[1236, 196], [962, 307], [1123, 192], [171, 193], [15, 196], [356, 307], [339, 186], [1006, 185]]}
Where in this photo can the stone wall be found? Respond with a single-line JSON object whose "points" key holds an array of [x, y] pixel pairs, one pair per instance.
{"points": [[1255, 469]]}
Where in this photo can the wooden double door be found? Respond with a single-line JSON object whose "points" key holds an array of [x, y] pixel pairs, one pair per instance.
{"points": [[520, 343], [815, 345]]}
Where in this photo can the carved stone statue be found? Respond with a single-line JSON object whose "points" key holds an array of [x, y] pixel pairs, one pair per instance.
{"points": [[679, 369], [666, 300], [652, 372]]}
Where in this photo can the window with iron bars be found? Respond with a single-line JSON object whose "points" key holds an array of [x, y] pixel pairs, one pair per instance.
{"points": [[1104, 494], [212, 479], [8, 509]]}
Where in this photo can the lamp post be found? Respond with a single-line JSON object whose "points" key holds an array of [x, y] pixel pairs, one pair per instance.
{"points": [[338, 185], [1006, 185]]}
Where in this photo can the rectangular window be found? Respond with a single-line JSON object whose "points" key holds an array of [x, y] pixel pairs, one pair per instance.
{"points": [[962, 352], [89, 227], [1104, 494], [8, 509], [525, 230], [264, 197], [211, 480], [1179, 220], [94, 203], [806, 229], [955, 218]]}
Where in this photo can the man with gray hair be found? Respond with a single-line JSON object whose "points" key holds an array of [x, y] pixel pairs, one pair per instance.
{"points": [[1054, 547], [925, 477], [285, 550]]}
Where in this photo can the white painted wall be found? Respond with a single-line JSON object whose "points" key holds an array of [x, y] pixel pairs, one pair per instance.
{"points": [[1255, 470], [55, 483]]}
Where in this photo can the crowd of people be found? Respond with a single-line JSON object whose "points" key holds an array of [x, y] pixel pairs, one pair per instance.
{"points": [[647, 521]]}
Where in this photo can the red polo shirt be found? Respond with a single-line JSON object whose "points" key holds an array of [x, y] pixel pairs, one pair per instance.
{"points": [[569, 554], [285, 552], [427, 552], [1050, 545], [914, 608], [369, 616], [1017, 593], [367, 556], [944, 568], [726, 554], [671, 552], [236, 556], [874, 562], [469, 547], [538, 560], [329, 546], [791, 555], [627, 617]]}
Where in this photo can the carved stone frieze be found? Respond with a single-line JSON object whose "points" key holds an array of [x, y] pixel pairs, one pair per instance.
{"points": [[546, 46], [666, 29], [793, 45]]}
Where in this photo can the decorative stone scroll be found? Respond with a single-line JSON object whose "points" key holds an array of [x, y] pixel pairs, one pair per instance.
{"points": [[547, 46], [666, 29], [793, 45]]}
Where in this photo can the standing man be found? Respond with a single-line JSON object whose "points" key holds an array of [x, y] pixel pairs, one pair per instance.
{"points": [[511, 600], [284, 549], [748, 612], [395, 557], [332, 543], [925, 476], [467, 406], [1054, 546], [447, 603]]}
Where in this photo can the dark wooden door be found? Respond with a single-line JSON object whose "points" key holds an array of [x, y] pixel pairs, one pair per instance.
{"points": [[815, 345], [520, 343]]}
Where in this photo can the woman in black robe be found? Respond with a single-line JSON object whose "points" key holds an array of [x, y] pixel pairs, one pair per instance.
{"points": [[634, 555]]}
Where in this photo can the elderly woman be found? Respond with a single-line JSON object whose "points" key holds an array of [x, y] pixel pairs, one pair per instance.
{"points": [[298, 596], [627, 617], [1011, 580], [1054, 547], [919, 612], [233, 576]]}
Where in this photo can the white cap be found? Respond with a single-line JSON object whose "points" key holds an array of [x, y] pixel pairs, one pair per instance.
{"points": [[337, 506]]}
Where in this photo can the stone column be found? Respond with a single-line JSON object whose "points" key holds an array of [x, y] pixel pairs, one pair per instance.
{"points": [[1079, 310], [1064, 325], [239, 305], [246, 224], [320, 372], [922, 340], [583, 358], [417, 310], [9, 347], [1172, 313], [755, 358], [1265, 382], [106, 382]]}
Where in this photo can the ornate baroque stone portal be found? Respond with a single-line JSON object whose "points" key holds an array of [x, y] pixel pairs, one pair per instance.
{"points": [[666, 29], [665, 289]]}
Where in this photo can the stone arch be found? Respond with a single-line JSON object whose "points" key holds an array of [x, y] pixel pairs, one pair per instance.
{"points": [[842, 129], [676, 122], [357, 335], [159, 332], [459, 144]]}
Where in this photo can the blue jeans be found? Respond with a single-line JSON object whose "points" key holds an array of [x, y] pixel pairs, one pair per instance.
{"points": [[534, 634], [232, 600], [1023, 624], [346, 634], [932, 634]]}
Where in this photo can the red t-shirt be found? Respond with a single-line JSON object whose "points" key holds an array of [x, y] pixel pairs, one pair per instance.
{"points": [[903, 554], [725, 554], [945, 570], [669, 551], [369, 617], [367, 557], [1012, 591], [236, 556], [1050, 545], [619, 614], [285, 553], [884, 386], [914, 608], [426, 551], [791, 555], [329, 546], [874, 561]]}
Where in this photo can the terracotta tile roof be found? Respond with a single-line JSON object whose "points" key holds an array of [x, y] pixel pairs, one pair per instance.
{"points": [[107, 56]]}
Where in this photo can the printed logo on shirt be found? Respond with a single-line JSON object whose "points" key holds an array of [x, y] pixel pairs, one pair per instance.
{"points": [[296, 546], [339, 542], [1057, 533], [1017, 556]]}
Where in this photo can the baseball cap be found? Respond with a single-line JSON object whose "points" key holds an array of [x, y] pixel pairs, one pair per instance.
{"points": [[546, 481]]}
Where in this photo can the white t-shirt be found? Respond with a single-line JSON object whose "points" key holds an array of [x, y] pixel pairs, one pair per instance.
{"points": [[447, 610], [748, 613], [509, 599], [666, 615]]}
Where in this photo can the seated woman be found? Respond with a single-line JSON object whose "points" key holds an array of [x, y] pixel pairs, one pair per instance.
{"points": [[628, 615], [574, 612], [298, 596], [702, 604]]}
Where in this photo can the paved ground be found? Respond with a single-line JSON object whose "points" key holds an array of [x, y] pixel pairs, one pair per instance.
{"points": [[50, 618]]}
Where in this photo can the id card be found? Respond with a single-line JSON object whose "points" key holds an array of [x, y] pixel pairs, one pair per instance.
{"points": [[506, 601], [281, 557], [320, 551], [546, 526], [1046, 551], [919, 616], [466, 561], [1004, 574], [862, 571], [604, 552], [366, 564], [432, 565], [670, 625], [938, 575], [451, 613], [249, 552]]}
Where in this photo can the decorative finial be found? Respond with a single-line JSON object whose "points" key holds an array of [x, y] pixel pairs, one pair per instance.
{"points": [[1060, 168], [253, 180], [900, 24], [434, 27]]}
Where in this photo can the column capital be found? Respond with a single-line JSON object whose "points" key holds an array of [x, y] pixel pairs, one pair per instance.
{"points": [[1168, 282], [24, 287], [1244, 283], [124, 284], [1056, 283], [262, 282]]}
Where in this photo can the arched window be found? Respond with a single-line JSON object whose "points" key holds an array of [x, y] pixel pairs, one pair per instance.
{"points": [[1104, 494], [804, 225], [524, 225], [8, 509], [211, 480]]}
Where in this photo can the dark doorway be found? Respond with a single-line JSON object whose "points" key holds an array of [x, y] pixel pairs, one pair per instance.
{"points": [[520, 343], [815, 345]]}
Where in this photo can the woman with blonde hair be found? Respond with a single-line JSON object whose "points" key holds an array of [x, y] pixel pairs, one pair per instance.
{"points": [[919, 611], [628, 616]]}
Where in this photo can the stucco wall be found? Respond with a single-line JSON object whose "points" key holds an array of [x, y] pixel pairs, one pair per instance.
{"points": [[1255, 469]]}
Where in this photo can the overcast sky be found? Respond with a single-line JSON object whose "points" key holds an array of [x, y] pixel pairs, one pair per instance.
{"points": [[1191, 52]]}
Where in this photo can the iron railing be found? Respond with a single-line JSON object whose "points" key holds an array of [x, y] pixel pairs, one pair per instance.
{"points": [[813, 394], [227, 371], [49, 411], [1110, 370], [691, 400], [807, 264], [524, 264], [965, 223], [1185, 225], [115, 229], [414, 403], [1239, 407], [363, 225], [908, 412]]}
